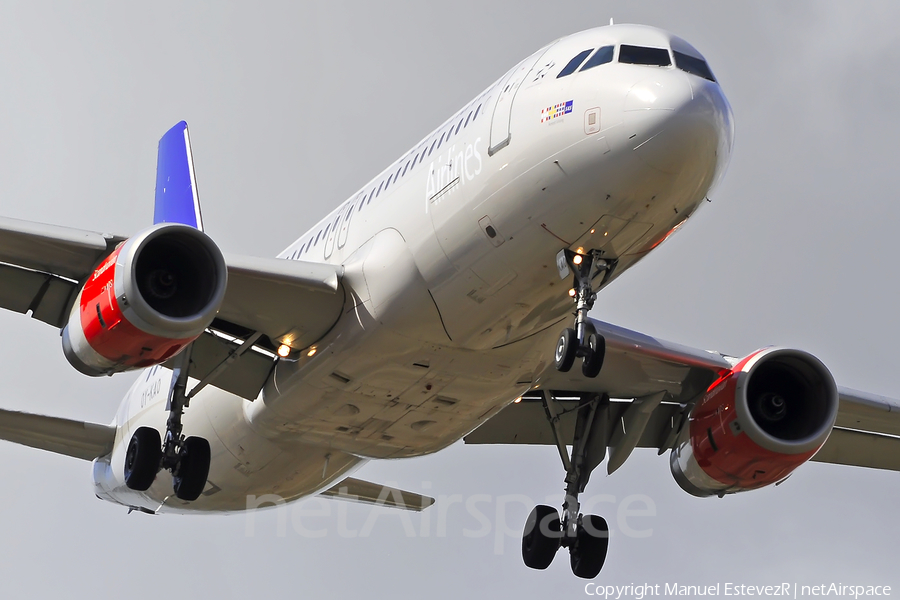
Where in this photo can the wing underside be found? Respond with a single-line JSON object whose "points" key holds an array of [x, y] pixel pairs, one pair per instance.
{"points": [[274, 301], [637, 366]]}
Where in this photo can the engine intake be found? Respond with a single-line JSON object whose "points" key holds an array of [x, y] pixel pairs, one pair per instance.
{"points": [[756, 424], [151, 297]]}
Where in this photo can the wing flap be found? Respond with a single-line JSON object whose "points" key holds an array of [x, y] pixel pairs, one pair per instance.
{"points": [[860, 449], [63, 251], [526, 423], [868, 412], [62, 436], [244, 377], [357, 490], [46, 295]]}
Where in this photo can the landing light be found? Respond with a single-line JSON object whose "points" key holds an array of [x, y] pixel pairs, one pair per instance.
{"points": [[577, 259], [312, 351], [517, 400], [572, 292], [592, 232], [284, 350]]}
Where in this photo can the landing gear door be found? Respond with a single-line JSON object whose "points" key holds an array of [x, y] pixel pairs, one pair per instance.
{"points": [[500, 133]]}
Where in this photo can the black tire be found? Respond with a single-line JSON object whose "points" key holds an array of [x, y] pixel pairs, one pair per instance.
{"points": [[566, 349], [541, 538], [142, 459], [589, 552], [593, 360], [193, 469]]}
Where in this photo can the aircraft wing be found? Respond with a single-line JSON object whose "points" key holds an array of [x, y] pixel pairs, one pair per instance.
{"points": [[638, 366], [42, 268]]}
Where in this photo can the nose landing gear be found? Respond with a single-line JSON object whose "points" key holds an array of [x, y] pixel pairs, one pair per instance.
{"points": [[582, 341], [586, 536]]}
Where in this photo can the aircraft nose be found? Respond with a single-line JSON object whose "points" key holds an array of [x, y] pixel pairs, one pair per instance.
{"points": [[665, 92], [680, 124]]}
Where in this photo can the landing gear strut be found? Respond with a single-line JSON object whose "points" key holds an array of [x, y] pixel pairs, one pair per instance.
{"points": [[586, 536], [582, 341], [188, 459]]}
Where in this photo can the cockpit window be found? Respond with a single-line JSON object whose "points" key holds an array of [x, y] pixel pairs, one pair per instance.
{"points": [[693, 65], [639, 55], [601, 57], [574, 63]]}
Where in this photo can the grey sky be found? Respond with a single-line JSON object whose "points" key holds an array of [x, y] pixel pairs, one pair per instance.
{"points": [[292, 107]]}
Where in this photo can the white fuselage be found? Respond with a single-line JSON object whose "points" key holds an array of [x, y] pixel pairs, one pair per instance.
{"points": [[453, 299]]}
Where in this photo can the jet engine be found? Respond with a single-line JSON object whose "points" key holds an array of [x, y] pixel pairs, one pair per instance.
{"points": [[756, 424], [146, 301]]}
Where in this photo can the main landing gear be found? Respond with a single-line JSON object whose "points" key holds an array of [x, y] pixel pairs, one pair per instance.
{"points": [[188, 459], [586, 536], [582, 341]]}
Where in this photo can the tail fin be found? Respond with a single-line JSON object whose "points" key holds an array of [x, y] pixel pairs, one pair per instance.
{"points": [[177, 200]]}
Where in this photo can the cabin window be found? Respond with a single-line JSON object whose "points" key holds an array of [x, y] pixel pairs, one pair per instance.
{"points": [[573, 64]]}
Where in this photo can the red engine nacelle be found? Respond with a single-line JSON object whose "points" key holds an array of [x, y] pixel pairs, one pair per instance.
{"points": [[146, 301], [757, 423]]}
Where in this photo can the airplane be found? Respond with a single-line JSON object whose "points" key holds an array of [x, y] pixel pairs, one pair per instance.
{"points": [[433, 305]]}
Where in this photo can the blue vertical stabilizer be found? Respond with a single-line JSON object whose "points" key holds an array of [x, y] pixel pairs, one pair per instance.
{"points": [[177, 200]]}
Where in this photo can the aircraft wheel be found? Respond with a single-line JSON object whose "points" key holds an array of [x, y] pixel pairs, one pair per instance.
{"points": [[593, 360], [566, 349], [142, 459], [592, 542], [193, 469], [542, 536]]}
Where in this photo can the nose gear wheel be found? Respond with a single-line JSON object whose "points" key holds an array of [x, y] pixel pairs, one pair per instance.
{"points": [[581, 341]]}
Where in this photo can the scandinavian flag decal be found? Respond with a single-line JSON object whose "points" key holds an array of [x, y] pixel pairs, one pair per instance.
{"points": [[556, 111]]}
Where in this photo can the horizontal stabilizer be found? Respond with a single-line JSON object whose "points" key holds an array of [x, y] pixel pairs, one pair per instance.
{"points": [[356, 490], [62, 436]]}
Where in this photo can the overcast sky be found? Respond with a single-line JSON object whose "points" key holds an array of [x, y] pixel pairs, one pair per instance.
{"points": [[292, 107]]}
